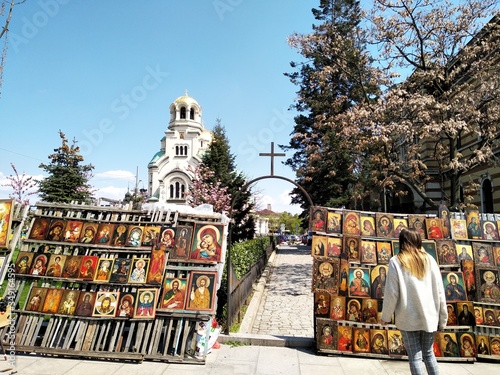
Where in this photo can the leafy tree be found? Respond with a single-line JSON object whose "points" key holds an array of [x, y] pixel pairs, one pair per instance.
{"points": [[220, 161], [442, 121], [68, 179], [334, 76], [22, 185]]}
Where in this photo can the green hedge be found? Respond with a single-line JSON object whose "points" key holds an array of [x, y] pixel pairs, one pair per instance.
{"points": [[245, 254]]}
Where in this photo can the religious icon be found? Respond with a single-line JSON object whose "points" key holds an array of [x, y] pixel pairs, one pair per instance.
{"points": [[353, 312], [321, 304], [465, 311], [207, 242], [334, 222], [447, 253], [318, 219], [496, 255], [454, 286], [464, 252], [488, 287], [395, 247], [139, 269], [105, 304], [368, 252], [417, 222], [369, 310], [490, 230], [337, 308], [434, 227], [452, 314], [104, 234], [88, 267], [444, 215], [183, 243], [361, 340], [119, 235], [55, 265], [157, 264], [430, 248], [344, 342], [120, 271], [359, 283], [399, 225], [326, 334], [368, 226], [495, 346], [72, 265], [326, 274], [458, 229], [134, 236], [36, 299], [384, 252], [483, 254], [473, 225], [351, 248], [448, 344], [385, 227], [56, 230], [126, 306], [23, 262], [68, 302], [174, 294], [395, 341], [89, 231], [145, 303], [151, 235], [351, 223], [52, 300], [343, 278], [483, 345], [319, 245], [85, 304], [378, 277], [39, 265], [469, 279], [201, 291], [39, 229], [489, 317], [334, 246], [72, 231], [379, 342], [104, 267]]}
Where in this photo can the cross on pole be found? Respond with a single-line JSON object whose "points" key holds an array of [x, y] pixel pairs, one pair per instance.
{"points": [[272, 155]]}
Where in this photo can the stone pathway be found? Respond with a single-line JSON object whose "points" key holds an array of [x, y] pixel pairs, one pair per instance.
{"points": [[286, 307]]}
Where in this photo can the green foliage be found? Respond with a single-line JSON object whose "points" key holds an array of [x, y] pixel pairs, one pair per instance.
{"points": [[68, 178], [245, 254]]}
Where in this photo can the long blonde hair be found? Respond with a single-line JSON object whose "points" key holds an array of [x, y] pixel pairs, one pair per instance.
{"points": [[412, 256]]}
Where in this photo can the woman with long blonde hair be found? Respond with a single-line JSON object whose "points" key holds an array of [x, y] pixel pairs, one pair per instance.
{"points": [[414, 294]]}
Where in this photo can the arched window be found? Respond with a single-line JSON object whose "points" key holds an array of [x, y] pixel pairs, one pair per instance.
{"points": [[183, 112], [177, 150], [487, 196], [177, 189], [191, 114], [185, 150]]}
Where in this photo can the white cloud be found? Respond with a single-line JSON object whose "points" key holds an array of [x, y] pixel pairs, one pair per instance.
{"points": [[118, 174]]}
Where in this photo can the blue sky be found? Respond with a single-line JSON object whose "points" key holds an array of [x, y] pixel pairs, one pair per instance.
{"points": [[105, 73]]}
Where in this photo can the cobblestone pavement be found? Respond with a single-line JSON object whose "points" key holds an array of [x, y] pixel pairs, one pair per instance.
{"points": [[286, 308]]}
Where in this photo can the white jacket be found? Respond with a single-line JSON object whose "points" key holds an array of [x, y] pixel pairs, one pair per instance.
{"points": [[418, 305]]}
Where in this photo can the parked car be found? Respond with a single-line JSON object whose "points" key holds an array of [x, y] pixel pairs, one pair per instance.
{"points": [[309, 238]]}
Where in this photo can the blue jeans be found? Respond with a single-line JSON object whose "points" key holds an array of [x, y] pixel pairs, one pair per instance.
{"points": [[419, 348]]}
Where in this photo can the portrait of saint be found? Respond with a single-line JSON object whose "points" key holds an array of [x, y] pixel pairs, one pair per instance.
{"points": [[458, 229], [343, 278], [399, 225], [334, 246], [23, 262], [378, 279], [105, 304], [55, 265], [39, 229], [89, 231], [145, 303], [126, 306], [321, 304], [72, 265], [334, 222], [434, 228], [207, 243], [430, 248], [39, 265], [36, 299], [319, 245], [483, 345], [104, 267], [104, 234], [395, 343], [465, 315], [151, 235], [384, 252], [369, 310], [469, 279], [317, 223], [72, 231], [495, 346], [326, 274], [351, 223], [337, 308], [119, 235], [183, 243], [68, 302], [496, 255], [464, 252], [359, 283], [379, 342], [452, 315], [385, 226], [6, 206], [52, 300], [473, 225], [447, 254], [344, 342], [488, 285], [444, 215], [134, 236], [56, 230], [174, 294], [157, 263], [201, 291], [88, 267], [368, 226], [490, 230], [483, 254], [138, 270], [120, 270], [326, 334], [417, 222], [368, 252], [449, 345], [351, 249], [361, 340], [454, 289], [85, 304], [353, 312]]}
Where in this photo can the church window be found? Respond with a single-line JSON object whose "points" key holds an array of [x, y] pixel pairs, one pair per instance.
{"points": [[177, 189], [191, 114], [487, 196], [183, 113]]}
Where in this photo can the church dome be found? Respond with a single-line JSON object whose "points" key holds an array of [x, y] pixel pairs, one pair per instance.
{"points": [[185, 111], [187, 100]]}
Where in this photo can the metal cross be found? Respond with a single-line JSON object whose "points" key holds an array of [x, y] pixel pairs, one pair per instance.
{"points": [[272, 155]]}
